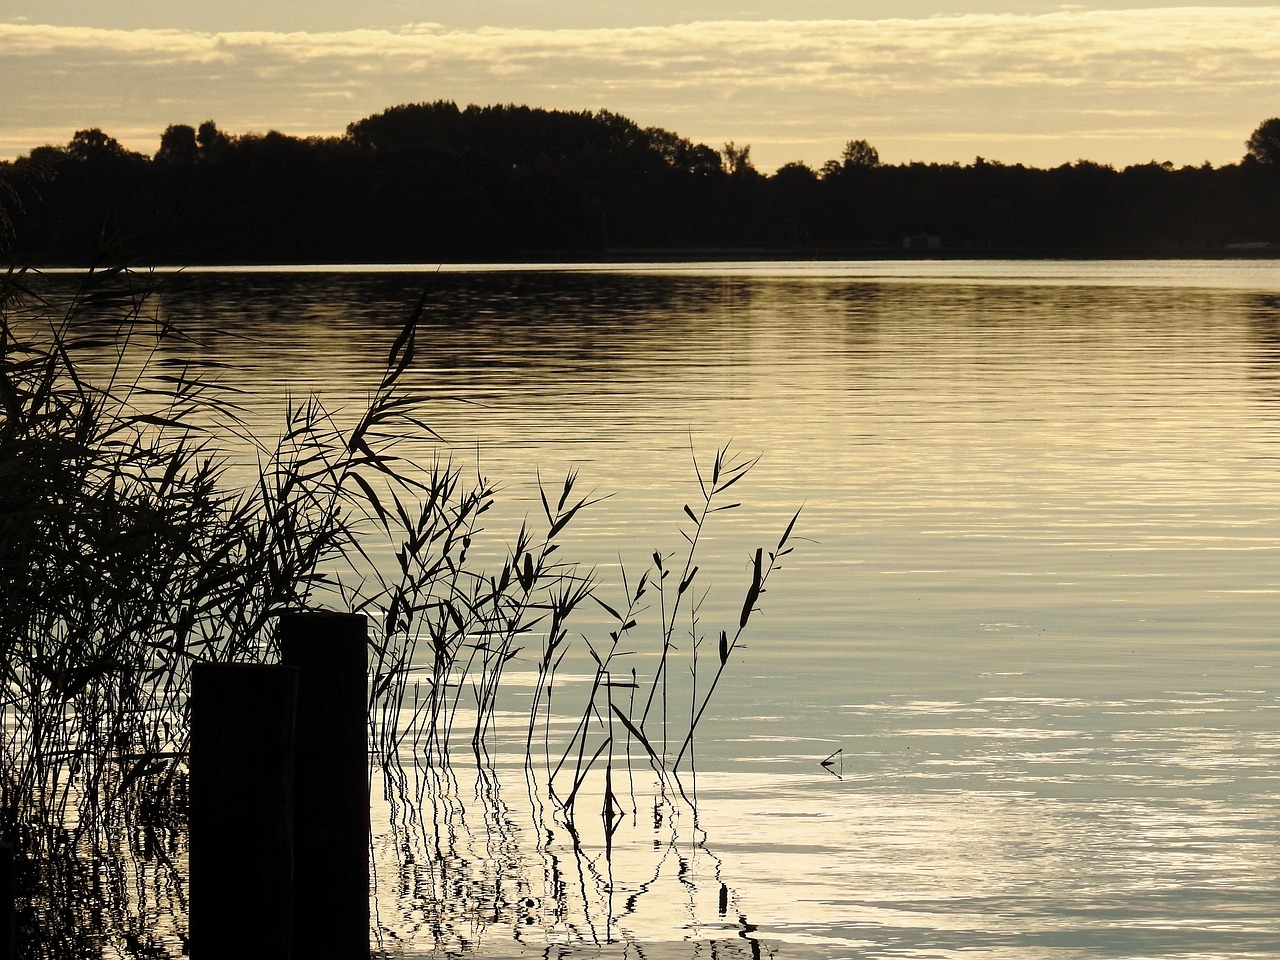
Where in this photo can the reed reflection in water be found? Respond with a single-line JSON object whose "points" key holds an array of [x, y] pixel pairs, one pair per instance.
{"points": [[490, 863]]}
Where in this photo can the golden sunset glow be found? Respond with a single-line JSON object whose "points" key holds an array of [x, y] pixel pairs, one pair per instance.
{"points": [[1183, 84]]}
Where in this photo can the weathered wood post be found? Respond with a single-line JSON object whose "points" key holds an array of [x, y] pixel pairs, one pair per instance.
{"points": [[8, 901], [241, 813], [331, 783]]}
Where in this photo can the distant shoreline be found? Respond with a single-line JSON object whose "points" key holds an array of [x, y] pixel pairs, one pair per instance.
{"points": [[431, 182], [675, 255], [662, 254]]}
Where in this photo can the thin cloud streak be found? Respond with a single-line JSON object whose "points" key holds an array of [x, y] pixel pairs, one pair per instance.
{"points": [[1188, 83]]}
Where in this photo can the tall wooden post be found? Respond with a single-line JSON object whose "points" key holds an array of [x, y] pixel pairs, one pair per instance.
{"points": [[331, 800], [8, 902], [241, 814]]}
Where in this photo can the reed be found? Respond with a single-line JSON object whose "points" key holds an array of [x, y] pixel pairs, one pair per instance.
{"points": [[130, 553]]}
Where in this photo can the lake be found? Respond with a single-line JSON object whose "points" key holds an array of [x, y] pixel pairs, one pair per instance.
{"points": [[1030, 617]]}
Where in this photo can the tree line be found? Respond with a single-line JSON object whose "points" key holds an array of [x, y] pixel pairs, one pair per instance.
{"points": [[431, 182]]}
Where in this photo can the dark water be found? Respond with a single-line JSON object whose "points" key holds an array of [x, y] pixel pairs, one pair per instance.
{"points": [[1035, 607]]}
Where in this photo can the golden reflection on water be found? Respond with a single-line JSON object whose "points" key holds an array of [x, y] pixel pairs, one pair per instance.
{"points": [[1036, 616]]}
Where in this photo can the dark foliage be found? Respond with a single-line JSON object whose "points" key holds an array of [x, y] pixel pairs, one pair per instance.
{"points": [[129, 552], [434, 182], [1264, 143]]}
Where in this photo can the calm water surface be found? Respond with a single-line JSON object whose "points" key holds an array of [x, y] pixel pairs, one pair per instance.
{"points": [[1035, 607]]}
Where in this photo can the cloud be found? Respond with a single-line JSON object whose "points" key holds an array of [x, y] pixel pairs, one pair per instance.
{"points": [[1189, 81]]}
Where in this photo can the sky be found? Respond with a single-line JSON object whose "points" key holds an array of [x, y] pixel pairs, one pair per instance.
{"points": [[1016, 81]]}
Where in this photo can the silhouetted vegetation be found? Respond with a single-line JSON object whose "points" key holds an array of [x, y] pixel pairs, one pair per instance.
{"points": [[131, 552], [431, 182]]}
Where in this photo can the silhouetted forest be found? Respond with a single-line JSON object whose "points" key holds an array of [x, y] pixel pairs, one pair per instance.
{"points": [[433, 182]]}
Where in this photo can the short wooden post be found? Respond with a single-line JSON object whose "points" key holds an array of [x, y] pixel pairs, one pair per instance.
{"points": [[8, 902], [331, 799], [241, 813]]}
